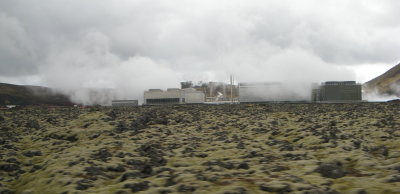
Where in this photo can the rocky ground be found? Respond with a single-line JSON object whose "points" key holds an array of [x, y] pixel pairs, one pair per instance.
{"points": [[248, 148]]}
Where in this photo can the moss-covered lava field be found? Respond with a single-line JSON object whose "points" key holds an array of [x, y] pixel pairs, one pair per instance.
{"points": [[246, 148]]}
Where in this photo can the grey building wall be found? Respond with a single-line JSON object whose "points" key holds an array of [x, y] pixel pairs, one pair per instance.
{"points": [[338, 91], [124, 103], [192, 96], [173, 96]]}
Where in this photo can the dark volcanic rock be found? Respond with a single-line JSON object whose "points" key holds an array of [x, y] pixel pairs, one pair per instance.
{"points": [[102, 155], [227, 165], [253, 154], [150, 149], [33, 124], [121, 127], [35, 168], [71, 138], [94, 171], [280, 168], [133, 175], [9, 167], [31, 153], [186, 188], [281, 188], [6, 191], [164, 191], [240, 145], [135, 163], [378, 150], [13, 160], [393, 179], [260, 130], [201, 155], [73, 163], [238, 190], [154, 152], [136, 187], [83, 184], [331, 170], [66, 137], [170, 182], [118, 168], [158, 161], [146, 169], [243, 165]]}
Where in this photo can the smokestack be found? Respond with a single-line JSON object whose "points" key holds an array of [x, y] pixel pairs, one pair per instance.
{"points": [[211, 88], [231, 77], [224, 90]]}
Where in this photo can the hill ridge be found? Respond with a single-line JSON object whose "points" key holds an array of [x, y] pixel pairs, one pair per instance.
{"points": [[31, 95], [386, 83]]}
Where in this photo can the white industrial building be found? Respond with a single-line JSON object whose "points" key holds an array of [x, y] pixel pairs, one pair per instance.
{"points": [[173, 96]]}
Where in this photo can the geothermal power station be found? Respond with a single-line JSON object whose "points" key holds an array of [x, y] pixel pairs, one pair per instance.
{"points": [[252, 92]]}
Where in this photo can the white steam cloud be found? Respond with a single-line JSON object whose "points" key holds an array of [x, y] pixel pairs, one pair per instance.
{"points": [[127, 47], [375, 95]]}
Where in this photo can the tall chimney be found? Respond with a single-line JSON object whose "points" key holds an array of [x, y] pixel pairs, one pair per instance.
{"points": [[231, 88]]}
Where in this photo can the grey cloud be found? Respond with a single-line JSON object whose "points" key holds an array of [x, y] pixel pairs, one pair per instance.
{"points": [[73, 44], [16, 54]]}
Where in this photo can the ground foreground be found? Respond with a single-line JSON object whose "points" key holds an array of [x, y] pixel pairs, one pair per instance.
{"points": [[275, 148]]}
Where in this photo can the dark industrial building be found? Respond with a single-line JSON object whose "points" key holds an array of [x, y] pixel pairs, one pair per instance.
{"points": [[337, 91]]}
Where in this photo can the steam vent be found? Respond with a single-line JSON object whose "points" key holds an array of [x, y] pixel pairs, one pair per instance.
{"points": [[337, 91]]}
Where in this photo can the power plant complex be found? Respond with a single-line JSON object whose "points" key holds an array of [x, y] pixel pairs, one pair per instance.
{"points": [[252, 92]]}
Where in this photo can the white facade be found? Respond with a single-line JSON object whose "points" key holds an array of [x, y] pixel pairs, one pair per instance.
{"points": [[173, 96]]}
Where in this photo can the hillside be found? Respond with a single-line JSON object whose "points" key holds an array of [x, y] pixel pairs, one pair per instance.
{"points": [[387, 83], [30, 95]]}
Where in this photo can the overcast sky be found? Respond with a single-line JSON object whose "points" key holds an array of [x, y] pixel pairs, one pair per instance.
{"points": [[133, 45]]}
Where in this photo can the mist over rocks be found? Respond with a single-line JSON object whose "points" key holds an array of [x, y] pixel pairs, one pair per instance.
{"points": [[246, 148]]}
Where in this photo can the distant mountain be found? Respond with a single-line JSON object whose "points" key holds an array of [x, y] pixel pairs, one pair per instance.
{"points": [[30, 95], [387, 83]]}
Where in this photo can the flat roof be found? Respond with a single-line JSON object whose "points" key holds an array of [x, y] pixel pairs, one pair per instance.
{"points": [[124, 100], [339, 83], [255, 84]]}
